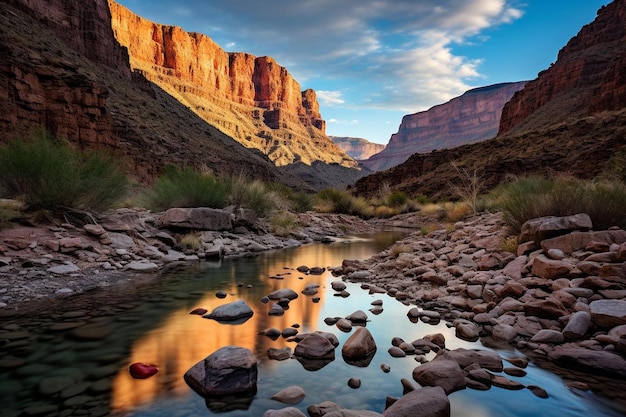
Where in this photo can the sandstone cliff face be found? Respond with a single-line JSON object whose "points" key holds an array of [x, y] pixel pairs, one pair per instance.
{"points": [[252, 99], [63, 72], [357, 148], [47, 92], [470, 118], [588, 77]]}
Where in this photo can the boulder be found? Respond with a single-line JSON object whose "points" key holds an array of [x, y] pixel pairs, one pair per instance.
{"points": [[196, 218], [597, 361], [422, 402], [235, 311], [279, 354], [550, 268], [227, 371], [548, 336], [484, 358], [358, 317], [608, 313], [546, 227], [360, 345], [443, 371], [578, 325], [574, 241], [284, 412], [287, 293], [315, 346], [289, 395]]}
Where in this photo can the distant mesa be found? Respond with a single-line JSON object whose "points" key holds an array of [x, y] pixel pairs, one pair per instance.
{"points": [[469, 118], [357, 148]]}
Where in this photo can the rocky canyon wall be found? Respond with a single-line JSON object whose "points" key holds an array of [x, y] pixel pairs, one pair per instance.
{"points": [[44, 91], [357, 148], [469, 118], [252, 99], [589, 76]]}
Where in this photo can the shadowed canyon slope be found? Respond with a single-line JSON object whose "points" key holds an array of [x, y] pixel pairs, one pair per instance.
{"points": [[570, 119], [252, 99], [357, 148], [62, 71], [469, 118]]}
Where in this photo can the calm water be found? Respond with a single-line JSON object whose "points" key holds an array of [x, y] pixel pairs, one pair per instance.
{"points": [[74, 361]]}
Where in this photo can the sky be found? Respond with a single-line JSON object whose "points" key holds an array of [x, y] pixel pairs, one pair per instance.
{"points": [[373, 61]]}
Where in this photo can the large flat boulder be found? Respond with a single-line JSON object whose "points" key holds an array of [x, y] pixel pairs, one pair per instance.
{"points": [[597, 361], [574, 241], [608, 313], [196, 218], [443, 371], [227, 371], [547, 227], [237, 311]]}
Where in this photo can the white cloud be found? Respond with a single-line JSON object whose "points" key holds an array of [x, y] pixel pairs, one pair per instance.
{"points": [[330, 98]]}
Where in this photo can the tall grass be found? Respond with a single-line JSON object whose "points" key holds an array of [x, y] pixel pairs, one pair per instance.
{"points": [[531, 197], [187, 187], [46, 173]]}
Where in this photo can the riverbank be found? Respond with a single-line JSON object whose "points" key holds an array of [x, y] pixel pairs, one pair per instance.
{"points": [[50, 261], [559, 296]]}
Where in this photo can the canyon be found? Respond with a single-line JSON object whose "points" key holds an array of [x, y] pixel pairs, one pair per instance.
{"points": [[252, 99], [469, 118], [357, 148], [571, 119], [64, 73]]}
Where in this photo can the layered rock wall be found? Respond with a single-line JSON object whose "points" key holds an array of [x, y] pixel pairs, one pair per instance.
{"points": [[470, 118], [44, 92], [358, 148], [588, 77], [252, 99]]}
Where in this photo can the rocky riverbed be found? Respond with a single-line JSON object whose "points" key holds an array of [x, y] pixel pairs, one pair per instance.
{"points": [[87, 252]]}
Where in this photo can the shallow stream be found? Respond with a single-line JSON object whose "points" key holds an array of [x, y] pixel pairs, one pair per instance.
{"points": [[72, 357]]}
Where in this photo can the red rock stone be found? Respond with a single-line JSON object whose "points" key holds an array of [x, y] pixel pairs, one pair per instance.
{"points": [[140, 370]]}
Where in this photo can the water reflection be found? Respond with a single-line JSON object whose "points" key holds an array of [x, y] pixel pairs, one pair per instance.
{"points": [[150, 322]]}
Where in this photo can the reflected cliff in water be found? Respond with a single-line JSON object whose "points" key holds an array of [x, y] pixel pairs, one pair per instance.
{"points": [[181, 340]]}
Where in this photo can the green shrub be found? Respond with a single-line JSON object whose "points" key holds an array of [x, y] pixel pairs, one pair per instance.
{"points": [[533, 197], [46, 173], [251, 194], [187, 187], [397, 199]]}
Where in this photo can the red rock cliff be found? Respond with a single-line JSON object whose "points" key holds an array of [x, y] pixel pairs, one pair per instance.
{"points": [[252, 99], [588, 77], [470, 118]]}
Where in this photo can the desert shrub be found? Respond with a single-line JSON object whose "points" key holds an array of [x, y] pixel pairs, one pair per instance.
{"points": [[191, 241], [385, 211], [283, 223], [397, 199], [458, 211], [468, 186], [46, 173], [254, 195], [531, 197], [187, 187], [331, 200]]}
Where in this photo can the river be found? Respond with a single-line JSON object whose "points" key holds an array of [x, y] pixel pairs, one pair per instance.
{"points": [[72, 358]]}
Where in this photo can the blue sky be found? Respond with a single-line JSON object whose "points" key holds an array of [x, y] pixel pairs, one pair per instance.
{"points": [[373, 61]]}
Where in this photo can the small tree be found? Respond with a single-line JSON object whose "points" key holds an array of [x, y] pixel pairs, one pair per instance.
{"points": [[468, 187]]}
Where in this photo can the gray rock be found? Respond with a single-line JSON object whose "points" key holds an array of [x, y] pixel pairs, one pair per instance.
{"points": [[283, 293], [484, 358], [315, 346], [237, 310], [196, 218], [548, 336], [422, 402], [598, 361], [279, 354], [142, 266], [443, 371], [358, 317], [546, 227], [359, 345], [64, 269], [578, 325], [227, 371], [284, 412], [290, 395], [608, 313]]}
